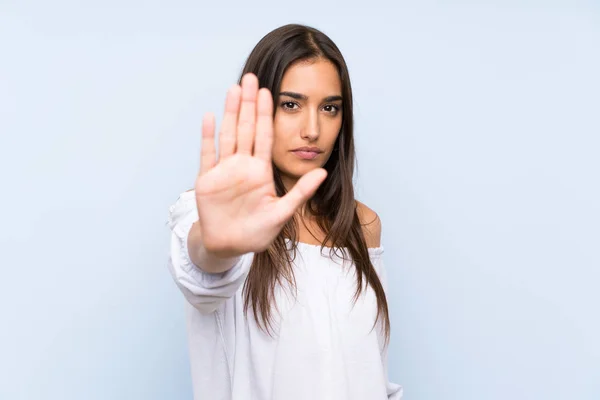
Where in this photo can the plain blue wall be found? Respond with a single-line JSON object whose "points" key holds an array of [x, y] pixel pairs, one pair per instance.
{"points": [[478, 130]]}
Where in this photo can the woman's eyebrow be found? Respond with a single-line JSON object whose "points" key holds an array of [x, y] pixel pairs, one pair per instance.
{"points": [[299, 96]]}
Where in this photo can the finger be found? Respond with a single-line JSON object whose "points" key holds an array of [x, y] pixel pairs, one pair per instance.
{"points": [[303, 190], [247, 118], [227, 135], [208, 155], [263, 143]]}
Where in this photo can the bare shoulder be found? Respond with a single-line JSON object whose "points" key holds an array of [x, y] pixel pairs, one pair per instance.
{"points": [[371, 224]]}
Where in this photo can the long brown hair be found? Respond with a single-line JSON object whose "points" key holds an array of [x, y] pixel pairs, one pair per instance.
{"points": [[333, 205]]}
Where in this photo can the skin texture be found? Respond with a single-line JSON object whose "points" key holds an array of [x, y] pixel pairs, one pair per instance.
{"points": [[236, 190], [312, 121], [238, 208]]}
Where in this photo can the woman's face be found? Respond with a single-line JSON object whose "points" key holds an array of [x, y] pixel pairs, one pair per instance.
{"points": [[309, 113]]}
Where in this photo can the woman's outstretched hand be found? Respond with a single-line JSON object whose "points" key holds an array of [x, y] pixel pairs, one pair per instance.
{"points": [[238, 208]]}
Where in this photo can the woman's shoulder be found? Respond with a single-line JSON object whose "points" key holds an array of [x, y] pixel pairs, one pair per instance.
{"points": [[371, 224]]}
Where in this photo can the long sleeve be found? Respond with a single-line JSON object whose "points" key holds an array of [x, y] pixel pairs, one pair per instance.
{"points": [[205, 291], [394, 390]]}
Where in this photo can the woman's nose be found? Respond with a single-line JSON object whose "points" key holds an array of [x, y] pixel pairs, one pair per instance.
{"points": [[311, 128]]}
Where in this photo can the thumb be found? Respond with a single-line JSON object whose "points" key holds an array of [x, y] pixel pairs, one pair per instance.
{"points": [[303, 190]]}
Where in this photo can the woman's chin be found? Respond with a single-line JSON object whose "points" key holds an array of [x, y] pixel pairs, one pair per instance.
{"points": [[296, 172], [305, 169]]}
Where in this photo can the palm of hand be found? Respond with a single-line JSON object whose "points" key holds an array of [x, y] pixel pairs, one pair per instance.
{"points": [[238, 208], [239, 194]]}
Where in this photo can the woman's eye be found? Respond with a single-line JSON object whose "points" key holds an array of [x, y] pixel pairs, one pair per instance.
{"points": [[332, 108], [288, 105], [292, 106]]}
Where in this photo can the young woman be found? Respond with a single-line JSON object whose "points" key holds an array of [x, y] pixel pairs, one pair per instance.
{"points": [[270, 313]]}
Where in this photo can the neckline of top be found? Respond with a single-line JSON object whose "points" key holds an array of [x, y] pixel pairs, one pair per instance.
{"points": [[376, 250]]}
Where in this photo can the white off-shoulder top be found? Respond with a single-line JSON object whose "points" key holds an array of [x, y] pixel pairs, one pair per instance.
{"points": [[324, 346]]}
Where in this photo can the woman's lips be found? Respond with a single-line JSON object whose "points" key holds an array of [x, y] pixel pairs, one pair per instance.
{"points": [[306, 155]]}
